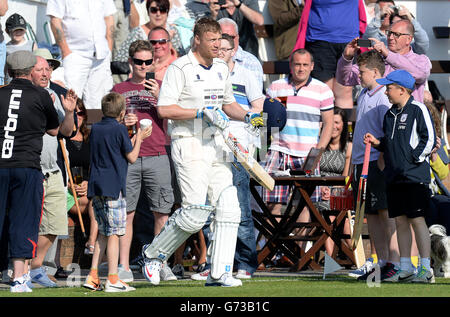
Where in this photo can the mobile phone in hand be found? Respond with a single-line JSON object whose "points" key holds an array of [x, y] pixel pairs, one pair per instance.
{"points": [[364, 43], [149, 75], [222, 2]]}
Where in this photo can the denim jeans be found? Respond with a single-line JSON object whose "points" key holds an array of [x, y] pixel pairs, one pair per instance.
{"points": [[245, 256]]}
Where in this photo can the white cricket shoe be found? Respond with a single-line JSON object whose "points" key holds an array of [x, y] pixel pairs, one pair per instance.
{"points": [[226, 280], [151, 270], [119, 286]]}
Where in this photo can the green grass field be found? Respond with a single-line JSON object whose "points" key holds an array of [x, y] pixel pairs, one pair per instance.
{"points": [[315, 286]]}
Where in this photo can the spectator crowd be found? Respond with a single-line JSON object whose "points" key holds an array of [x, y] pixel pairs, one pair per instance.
{"points": [[139, 62]]}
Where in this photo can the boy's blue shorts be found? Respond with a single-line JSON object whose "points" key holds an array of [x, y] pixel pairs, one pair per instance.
{"points": [[21, 196]]}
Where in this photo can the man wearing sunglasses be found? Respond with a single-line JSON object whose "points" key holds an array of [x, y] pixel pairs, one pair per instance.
{"points": [[397, 55], [164, 53], [390, 13], [152, 169]]}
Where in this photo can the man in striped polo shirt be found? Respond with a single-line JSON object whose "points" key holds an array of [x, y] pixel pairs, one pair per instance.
{"points": [[309, 102]]}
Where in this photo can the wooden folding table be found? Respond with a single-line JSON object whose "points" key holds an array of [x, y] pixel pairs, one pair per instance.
{"points": [[281, 232]]}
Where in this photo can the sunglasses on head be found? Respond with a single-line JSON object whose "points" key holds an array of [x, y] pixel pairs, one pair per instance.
{"points": [[138, 61], [156, 9], [160, 41]]}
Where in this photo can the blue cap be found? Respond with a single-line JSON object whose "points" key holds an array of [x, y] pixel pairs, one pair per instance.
{"points": [[400, 77], [276, 114]]}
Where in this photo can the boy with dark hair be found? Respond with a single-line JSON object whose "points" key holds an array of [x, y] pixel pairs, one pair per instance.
{"points": [[407, 143], [372, 106], [111, 150]]}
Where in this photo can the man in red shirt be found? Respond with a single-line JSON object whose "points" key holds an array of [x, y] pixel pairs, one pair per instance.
{"points": [[152, 168]]}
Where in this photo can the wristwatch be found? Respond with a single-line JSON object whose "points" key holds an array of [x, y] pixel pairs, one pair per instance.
{"points": [[239, 5]]}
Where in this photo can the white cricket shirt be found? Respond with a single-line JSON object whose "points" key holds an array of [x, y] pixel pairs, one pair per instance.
{"points": [[194, 86]]}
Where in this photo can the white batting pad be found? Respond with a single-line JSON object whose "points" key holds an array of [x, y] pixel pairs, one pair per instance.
{"points": [[183, 223], [192, 218], [225, 227]]}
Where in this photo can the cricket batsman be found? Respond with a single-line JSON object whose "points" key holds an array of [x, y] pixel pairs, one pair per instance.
{"points": [[197, 96]]}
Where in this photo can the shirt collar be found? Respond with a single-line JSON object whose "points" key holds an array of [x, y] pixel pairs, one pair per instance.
{"points": [[238, 56], [109, 119], [375, 90], [195, 62], [293, 86]]}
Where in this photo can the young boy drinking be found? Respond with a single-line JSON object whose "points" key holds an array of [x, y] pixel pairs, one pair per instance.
{"points": [[111, 150], [407, 143]]}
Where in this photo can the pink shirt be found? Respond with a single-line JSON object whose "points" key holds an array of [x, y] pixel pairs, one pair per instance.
{"points": [[304, 110], [144, 103], [417, 65]]}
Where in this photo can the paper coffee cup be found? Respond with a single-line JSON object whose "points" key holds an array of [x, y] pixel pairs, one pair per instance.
{"points": [[145, 123]]}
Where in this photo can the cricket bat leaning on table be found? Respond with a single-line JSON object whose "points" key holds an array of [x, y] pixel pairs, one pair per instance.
{"points": [[361, 199], [247, 161]]}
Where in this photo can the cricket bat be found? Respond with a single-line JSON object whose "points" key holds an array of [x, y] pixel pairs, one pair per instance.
{"points": [[247, 161], [358, 252], [361, 199]]}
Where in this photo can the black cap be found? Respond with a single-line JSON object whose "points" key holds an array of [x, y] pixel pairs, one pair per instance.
{"points": [[14, 22]]}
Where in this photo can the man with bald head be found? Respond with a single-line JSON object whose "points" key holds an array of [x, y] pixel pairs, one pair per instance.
{"points": [[397, 55], [54, 216]]}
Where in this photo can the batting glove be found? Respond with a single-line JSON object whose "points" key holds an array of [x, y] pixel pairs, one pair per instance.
{"points": [[255, 119], [214, 116]]}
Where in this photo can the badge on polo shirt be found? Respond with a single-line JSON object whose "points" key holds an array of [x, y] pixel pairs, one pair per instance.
{"points": [[403, 117]]}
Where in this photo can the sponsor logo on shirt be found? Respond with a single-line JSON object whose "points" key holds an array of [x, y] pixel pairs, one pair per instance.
{"points": [[11, 123]]}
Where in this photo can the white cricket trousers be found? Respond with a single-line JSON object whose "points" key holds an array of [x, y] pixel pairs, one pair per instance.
{"points": [[89, 77], [200, 169]]}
